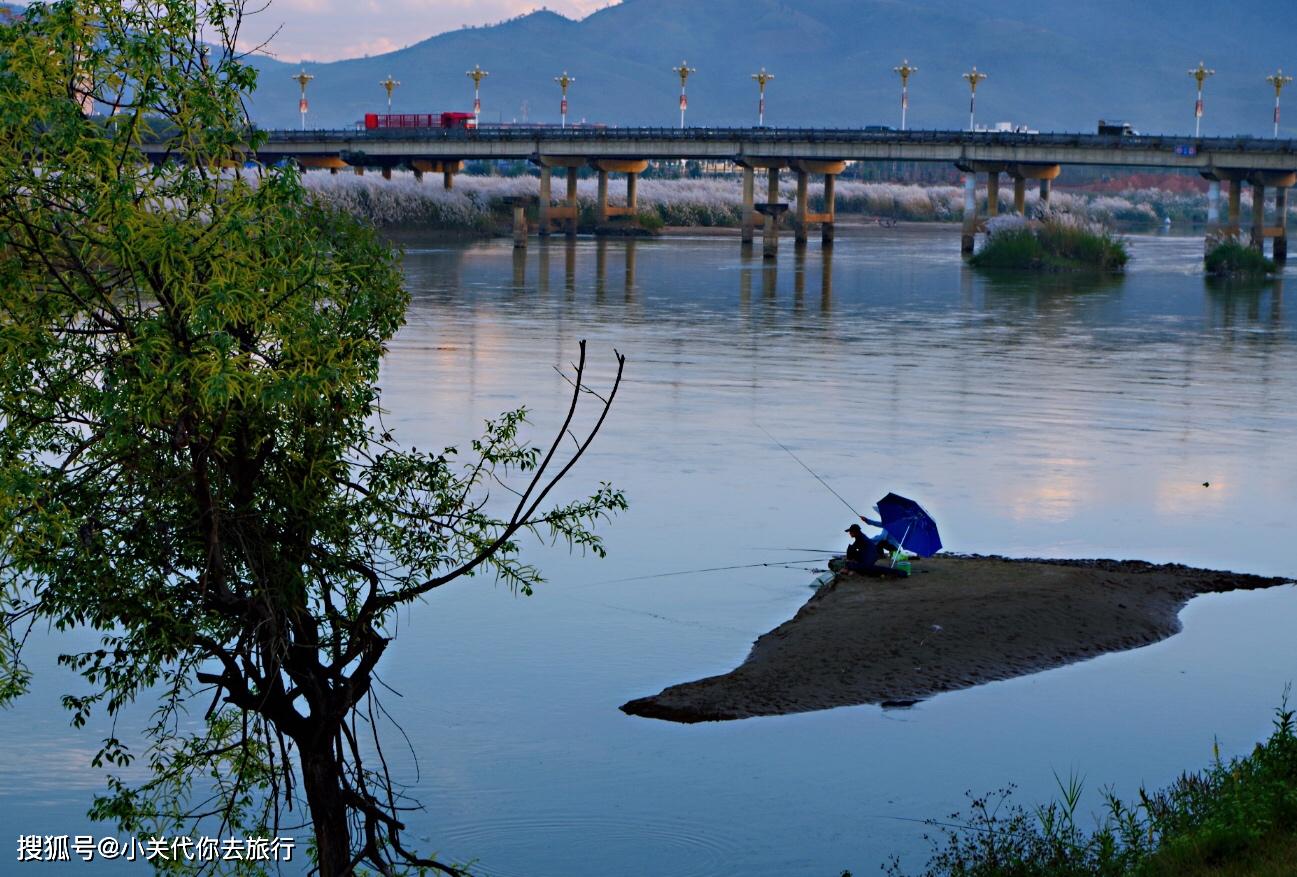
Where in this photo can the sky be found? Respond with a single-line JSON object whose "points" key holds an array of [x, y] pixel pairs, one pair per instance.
{"points": [[326, 30]]}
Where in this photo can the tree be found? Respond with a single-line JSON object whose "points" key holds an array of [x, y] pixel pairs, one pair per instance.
{"points": [[193, 461]]}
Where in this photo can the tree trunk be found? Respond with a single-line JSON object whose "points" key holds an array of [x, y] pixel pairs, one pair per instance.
{"points": [[322, 783]]}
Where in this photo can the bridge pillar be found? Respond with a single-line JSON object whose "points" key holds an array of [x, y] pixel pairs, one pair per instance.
{"points": [[803, 201], [770, 233], [546, 195], [993, 193], [1019, 196], [632, 193], [1213, 205], [418, 175], [1235, 205], [333, 171], [601, 204], [519, 226], [1257, 240], [571, 202], [968, 234], [360, 170], [447, 179], [1281, 220], [747, 219], [386, 171], [830, 210], [1045, 187]]}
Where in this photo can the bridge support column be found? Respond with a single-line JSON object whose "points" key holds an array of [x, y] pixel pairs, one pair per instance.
{"points": [[632, 193], [770, 234], [418, 175], [333, 171], [1235, 205], [748, 218], [803, 201], [601, 205], [519, 227], [1281, 220], [1045, 187], [448, 179], [993, 193], [546, 195], [1019, 196], [571, 202], [1257, 240], [360, 170], [1213, 205], [386, 171], [830, 210], [968, 234]]}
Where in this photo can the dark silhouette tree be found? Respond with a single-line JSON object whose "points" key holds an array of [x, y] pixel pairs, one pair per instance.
{"points": [[193, 462]]}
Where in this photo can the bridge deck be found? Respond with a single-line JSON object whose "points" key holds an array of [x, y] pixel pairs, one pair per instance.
{"points": [[958, 147]]}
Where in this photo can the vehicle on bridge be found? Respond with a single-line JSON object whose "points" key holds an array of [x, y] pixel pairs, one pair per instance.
{"points": [[1117, 129], [375, 121]]}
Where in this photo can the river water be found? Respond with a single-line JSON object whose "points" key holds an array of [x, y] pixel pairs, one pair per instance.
{"points": [[1035, 417]]}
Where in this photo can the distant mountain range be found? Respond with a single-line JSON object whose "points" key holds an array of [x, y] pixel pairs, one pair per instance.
{"points": [[1054, 65]]}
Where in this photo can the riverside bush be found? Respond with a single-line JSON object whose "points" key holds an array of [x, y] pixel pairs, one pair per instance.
{"points": [[1218, 821], [1056, 243], [1230, 257]]}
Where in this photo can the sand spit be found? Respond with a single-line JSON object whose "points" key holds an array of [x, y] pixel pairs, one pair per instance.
{"points": [[958, 621]]}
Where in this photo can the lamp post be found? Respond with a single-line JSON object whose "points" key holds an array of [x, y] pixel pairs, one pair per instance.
{"points": [[683, 72], [302, 78], [973, 76], [905, 71], [389, 85], [762, 78], [1278, 80], [563, 82], [477, 74], [1200, 74]]}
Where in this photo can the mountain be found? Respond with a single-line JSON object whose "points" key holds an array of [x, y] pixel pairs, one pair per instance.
{"points": [[1054, 65]]}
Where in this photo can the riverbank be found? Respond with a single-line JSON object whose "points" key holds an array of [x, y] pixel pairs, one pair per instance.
{"points": [[955, 623]]}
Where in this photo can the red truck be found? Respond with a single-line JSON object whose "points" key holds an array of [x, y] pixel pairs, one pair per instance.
{"points": [[374, 121]]}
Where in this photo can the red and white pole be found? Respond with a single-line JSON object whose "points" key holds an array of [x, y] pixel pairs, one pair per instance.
{"points": [[905, 104], [1276, 115], [1197, 114], [684, 104]]}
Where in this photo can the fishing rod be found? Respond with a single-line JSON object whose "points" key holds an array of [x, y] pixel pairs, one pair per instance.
{"points": [[786, 564], [808, 469]]}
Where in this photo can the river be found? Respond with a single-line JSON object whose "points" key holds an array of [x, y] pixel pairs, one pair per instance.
{"points": [[1150, 417]]}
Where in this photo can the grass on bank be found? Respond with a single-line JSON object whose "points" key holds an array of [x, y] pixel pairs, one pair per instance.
{"points": [[1230, 258], [1235, 818], [1052, 245]]}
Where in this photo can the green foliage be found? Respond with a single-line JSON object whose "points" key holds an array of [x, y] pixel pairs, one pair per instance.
{"points": [[1235, 811], [1053, 246], [193, 461], [1229, 257]]}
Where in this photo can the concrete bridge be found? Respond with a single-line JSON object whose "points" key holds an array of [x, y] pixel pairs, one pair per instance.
{"points": [[1259, 163]]}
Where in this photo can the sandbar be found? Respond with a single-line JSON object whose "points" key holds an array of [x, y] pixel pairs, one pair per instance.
{"points": [[956, 622]]}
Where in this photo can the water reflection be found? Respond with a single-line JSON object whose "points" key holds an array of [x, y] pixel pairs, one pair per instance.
{"points": [[1242, 303]]}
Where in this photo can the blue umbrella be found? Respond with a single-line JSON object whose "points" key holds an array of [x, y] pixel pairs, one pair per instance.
{"points": [[909, 525]]}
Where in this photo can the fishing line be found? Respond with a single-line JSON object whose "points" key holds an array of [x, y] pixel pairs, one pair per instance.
{"points": [[688, 572], [808, 469]]}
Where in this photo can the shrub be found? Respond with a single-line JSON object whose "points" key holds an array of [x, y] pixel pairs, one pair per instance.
{"points": [[1057, 243], [1229, 257]]}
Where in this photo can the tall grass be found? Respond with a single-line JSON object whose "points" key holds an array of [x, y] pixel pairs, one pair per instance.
{"points": [[1231, 258], [1219, 821], [479, 202], [1058, 242]]}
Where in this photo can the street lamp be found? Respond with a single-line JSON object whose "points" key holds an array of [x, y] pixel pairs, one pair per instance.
{"points": [[683, 72], [905, 71], [477, 74], [563, 82], [1199, 73], [1278, 80], [762, 78], [302, 78], [389, 84], [973, 77]]}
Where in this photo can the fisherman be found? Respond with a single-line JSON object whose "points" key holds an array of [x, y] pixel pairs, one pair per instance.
{"points": [[864, 553]]}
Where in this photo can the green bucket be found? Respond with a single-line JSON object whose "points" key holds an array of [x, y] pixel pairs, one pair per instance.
{"points": [[903, 566]]}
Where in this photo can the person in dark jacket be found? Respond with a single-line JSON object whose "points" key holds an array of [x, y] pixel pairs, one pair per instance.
{"points": [[863, 555]]}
